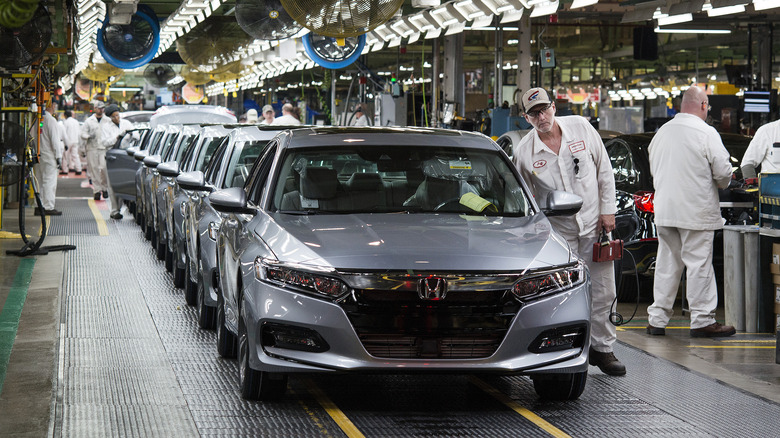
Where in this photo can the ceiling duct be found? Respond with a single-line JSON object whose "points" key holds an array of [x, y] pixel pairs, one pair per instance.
{"points": [[341, 18]]}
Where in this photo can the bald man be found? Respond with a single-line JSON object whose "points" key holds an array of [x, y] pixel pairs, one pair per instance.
{"points": [[688, 163]]}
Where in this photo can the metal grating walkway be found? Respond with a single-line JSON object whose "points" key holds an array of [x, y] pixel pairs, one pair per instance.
{"points": [[134, 363]]}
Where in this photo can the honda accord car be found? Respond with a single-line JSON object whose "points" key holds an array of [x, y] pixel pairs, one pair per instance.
{"points": [[397, 251]]}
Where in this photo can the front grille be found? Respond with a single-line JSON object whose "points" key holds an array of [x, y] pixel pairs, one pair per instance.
{"points": [[400, 325]]}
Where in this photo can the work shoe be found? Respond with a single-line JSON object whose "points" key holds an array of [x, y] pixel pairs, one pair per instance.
{"points": [[655, 331], [714, 330], [105, 194], [607, 363], [96, 196], [37, 211], [52, 212], [116, 215], [78, 172]]}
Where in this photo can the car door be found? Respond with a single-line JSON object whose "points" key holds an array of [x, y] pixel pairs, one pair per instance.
{"points": [[122, 167]]}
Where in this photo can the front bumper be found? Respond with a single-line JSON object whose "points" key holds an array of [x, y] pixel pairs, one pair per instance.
{"points": [[264, 304]]}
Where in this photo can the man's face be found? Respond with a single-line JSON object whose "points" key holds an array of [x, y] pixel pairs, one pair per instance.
{"points": [[115, 118], [269, 115], [541, 117], [99, 112]]}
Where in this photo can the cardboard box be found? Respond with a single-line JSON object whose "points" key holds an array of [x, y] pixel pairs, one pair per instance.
{"points": [[777, 308], [776, 248], [776, 280], [777, 294], [774, 268]]}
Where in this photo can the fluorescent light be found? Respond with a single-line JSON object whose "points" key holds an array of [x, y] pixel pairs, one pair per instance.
{"points": [[582, 3], [674, 19], [761, 5], [126, 88], [546, 8], [716, 12], [711, 31]]}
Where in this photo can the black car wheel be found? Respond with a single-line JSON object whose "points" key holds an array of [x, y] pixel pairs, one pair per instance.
{"points": [[206, 314], [560, 386], [190, 287], [158, 246], [226, 341], [178, 273], [254, 384], [168, 258]]}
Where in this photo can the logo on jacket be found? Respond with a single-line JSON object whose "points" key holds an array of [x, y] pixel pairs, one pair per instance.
{"points": [[540, 163], [432, 288]]}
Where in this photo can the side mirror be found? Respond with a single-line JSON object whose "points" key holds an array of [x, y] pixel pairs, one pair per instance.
{"points": [[131, 150], [140, 155], [232, 200], [560, 203], [170, 169], [193, 181], [152, 161]]}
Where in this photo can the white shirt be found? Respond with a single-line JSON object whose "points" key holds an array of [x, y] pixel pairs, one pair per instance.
{"points": [[110, 131], [361, 121], [50, 140], [286, 119], [759, 148], [72, 129], [92, 133], [688, 163], [545, 171]]}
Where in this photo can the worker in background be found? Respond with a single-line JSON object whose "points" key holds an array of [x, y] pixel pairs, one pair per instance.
{"points": [[287, 117], [51, 147], [360, 118], [113, 131], [566, 153], [70, 157], [268, 115], [758, 152], [688, 163], [251, 116], [92, 134]]}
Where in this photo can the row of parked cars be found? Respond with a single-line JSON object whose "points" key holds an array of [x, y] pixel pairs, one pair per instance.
{"points": [[394, 250]]}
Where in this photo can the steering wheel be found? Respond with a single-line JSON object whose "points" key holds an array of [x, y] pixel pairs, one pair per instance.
{"points": [[449, 201]]}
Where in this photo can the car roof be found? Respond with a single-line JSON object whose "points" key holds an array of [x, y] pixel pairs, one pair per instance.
{"points": [[191, 114], [385, 136]]}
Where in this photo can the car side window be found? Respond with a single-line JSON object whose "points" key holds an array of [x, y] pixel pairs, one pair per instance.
{"points": [[213, 169], [254, 187], [623, 165]]}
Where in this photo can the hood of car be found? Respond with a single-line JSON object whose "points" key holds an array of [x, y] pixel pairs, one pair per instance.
{"points": [[423, 242]]}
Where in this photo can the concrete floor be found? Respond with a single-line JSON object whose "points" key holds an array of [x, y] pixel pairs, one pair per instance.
{"points": [[31, 369]]}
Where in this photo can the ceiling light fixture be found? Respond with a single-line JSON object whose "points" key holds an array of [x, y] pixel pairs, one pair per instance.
{"points": [[709, 31], [760, 5], [717, 12], [582, 3], [675, 19], [545, 8]]}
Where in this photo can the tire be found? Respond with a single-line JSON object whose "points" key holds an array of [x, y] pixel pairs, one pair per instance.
{"points": [[190, 288], [158, 246], [178, 273], [131, 208], [254, 384], [168, 258], [560, 386], [207, 315], [147, 230], [226, 341]]}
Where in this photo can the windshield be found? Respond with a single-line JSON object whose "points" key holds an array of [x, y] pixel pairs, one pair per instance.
{"points": [[362, 179]]}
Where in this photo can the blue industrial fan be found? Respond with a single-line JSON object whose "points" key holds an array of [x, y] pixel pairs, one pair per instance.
{"points": [[326, 52], [132, 45]]}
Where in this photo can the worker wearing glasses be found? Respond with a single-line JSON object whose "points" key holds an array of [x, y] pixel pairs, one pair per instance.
{"points": [[566, 153]]}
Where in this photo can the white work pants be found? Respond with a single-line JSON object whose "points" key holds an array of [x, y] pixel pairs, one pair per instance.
{"points": [[71, 159], [679, 248], [116, 204], [96, 159], [46, 176], [602, 279]]}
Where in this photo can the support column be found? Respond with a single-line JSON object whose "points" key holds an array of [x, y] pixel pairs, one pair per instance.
{"points": [[498, 66], [523, 56], [435, 84], [764, 58], [454, 80]]}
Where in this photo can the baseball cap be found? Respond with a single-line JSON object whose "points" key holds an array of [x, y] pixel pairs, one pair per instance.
{"points": [[98, 104], [251, 115], [533, 97], [268, 108]]}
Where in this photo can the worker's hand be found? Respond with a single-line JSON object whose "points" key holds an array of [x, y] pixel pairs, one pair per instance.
{"points": [[59, 162], [607, 221]]}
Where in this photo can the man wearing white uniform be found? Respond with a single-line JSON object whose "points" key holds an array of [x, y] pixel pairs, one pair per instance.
{"points": [[91, 132], [757, 152], [70, 158], [287, 117], [50, 158], [688, 163], [360, 117], [111, 132], [268, 115], [566, 153]]}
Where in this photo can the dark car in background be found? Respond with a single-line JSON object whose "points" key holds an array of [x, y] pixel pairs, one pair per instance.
{"points": [[631, 165], [122, 166]]}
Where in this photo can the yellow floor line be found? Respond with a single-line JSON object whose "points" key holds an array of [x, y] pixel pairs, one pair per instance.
{"points": [[9, 235], [101, 223], [687, 327], [744, 347], [323, 430], [513, 405], [751, 341], [347, 426]]}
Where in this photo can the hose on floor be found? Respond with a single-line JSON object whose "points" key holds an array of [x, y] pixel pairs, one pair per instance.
{"points": [[614, 316]]}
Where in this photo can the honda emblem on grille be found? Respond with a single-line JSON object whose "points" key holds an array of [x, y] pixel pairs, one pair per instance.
{"points": [[432, 288]]}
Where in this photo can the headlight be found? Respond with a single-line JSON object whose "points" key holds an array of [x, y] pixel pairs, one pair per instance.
{"points": [[289, 276], [213, 228], [549, 282]]}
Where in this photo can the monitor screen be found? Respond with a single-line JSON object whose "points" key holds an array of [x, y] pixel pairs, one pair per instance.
{"points": [[758, 101]]}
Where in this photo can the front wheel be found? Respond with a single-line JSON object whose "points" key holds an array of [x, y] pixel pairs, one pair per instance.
{"points": [[254, 384], [560, 386], [226, 341]]}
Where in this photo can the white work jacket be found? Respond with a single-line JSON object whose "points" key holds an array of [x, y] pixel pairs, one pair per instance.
{"points": [[593, 180], [92, 132], [50, 140], [758, 150], [72, 132], [688, 163], [110, 132]]}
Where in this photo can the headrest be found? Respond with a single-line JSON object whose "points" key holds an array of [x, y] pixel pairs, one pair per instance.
{"points": [[365, 182], [319, 183]]}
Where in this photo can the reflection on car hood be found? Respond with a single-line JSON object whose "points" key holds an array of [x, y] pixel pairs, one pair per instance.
{"points": [[416, 241]]}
